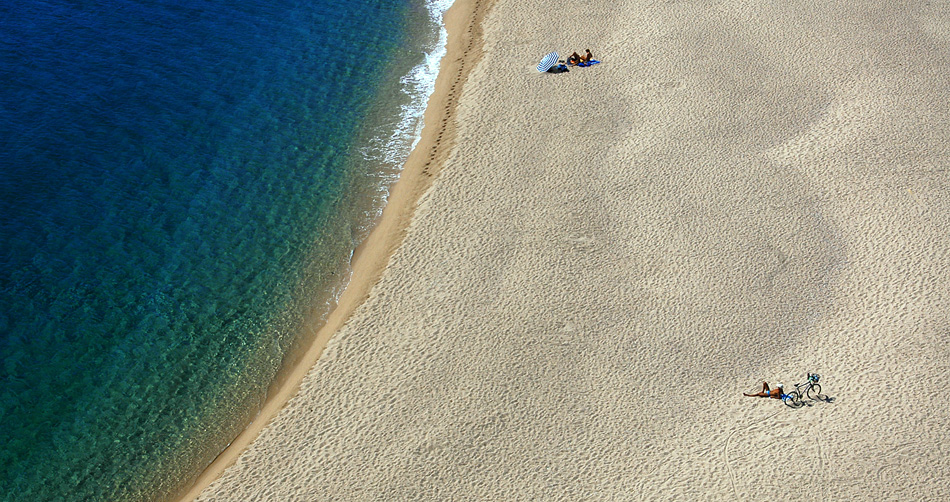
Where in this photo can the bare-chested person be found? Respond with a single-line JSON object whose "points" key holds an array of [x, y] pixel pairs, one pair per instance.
{"points": [[775, 393]]}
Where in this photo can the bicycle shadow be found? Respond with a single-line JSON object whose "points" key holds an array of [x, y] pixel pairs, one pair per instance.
{"points": [[822, 398]]}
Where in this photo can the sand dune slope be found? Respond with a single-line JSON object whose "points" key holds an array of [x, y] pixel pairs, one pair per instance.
{"points": [[611, 256]]}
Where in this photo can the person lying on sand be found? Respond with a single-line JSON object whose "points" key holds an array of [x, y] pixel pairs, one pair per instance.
{"points": [[774, 394], [574, 59]]}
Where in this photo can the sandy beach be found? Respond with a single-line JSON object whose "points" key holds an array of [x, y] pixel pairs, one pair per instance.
{"points": [[580, 273]]}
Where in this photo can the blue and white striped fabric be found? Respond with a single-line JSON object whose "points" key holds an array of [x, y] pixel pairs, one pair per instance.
{"points": [[547, 62]]}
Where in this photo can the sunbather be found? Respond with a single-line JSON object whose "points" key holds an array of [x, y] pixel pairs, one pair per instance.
{"points": [[574, 59], [586, 57], [766, 392]]}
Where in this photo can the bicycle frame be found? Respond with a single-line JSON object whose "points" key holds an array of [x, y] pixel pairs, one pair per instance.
{"points": [[794, 398], [802, 388]]}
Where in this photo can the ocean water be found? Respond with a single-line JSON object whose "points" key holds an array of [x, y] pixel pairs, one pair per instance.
{"points": [[182, 183]]}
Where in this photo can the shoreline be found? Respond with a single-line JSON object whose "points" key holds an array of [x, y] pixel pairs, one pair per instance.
{"points": [[738, 193], [371, 257]]}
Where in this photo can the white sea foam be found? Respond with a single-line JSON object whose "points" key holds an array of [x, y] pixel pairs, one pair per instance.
{"points": [[391, 148], [419, 85]]}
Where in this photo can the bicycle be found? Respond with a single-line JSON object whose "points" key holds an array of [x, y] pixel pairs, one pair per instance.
{"points": [[809, 388]]}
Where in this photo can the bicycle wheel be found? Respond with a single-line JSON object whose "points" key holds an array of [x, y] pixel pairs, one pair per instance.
{"points": [[814, 392], [792, 399]]}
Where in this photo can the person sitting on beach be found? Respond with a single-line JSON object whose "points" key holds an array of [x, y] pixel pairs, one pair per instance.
{"points": [[574, 59], [586, 57], [774, 393]]}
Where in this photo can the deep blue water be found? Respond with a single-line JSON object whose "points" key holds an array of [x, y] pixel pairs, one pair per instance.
{"points": [[181, 186]]}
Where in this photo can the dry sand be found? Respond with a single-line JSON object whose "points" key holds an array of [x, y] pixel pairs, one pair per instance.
{"points": [[742, 190]]}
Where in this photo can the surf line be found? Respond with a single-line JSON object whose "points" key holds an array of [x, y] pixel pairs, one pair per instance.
{"points": [[463, 51]]}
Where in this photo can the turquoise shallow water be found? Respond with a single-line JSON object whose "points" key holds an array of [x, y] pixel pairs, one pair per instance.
{"points": [[183, 183]]}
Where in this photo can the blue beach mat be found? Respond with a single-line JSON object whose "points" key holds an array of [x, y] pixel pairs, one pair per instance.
{"points": [[592, 62]]}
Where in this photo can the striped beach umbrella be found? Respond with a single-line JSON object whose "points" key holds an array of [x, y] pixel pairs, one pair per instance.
{"points": [[547, 62]]}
